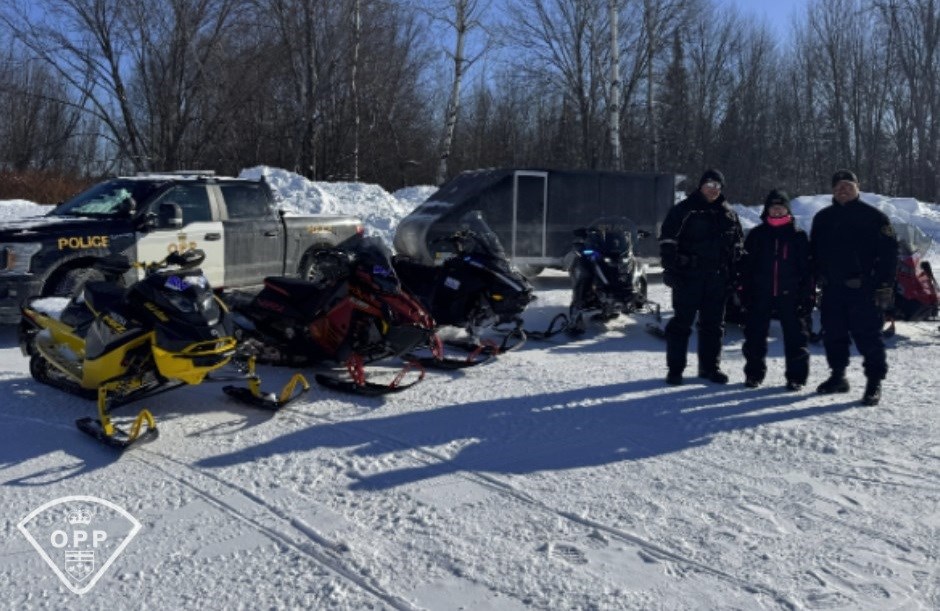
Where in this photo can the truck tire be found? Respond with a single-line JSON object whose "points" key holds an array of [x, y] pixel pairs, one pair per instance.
{"points": [[72, 282], [323, 265]]}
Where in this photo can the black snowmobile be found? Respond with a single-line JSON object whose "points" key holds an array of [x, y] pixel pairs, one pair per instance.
{"points": [[472, 287], [605, 276], [118, 345], [352, 310]]}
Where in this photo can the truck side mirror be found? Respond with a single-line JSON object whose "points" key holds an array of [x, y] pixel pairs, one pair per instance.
{"points": [[170, 215], [127, 207]]}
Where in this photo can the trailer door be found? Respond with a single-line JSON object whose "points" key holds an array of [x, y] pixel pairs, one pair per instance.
{"points": [[529, 214]]}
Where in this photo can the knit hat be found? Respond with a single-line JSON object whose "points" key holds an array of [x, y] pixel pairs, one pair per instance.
{"points": [[777, 197], [844, 175], [714, 175]]}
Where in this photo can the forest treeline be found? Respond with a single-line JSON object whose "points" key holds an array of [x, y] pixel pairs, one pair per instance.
{"points": [[400, 92]]}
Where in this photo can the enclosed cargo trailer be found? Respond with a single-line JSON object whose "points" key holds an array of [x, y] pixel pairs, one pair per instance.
{"points": [[534, 212]]}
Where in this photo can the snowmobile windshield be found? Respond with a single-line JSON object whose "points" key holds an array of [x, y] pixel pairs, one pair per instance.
{"points": [[374, 257], [108, 199], [478, 237], [610, 235], [470, 234], [911, 239]]}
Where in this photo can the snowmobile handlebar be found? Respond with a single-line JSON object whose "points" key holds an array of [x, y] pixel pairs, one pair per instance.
{"points": [[458, 239]]}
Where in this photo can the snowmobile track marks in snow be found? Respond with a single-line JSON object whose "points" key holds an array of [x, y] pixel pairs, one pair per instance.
{"points": [[651, 550], [310, 543]]}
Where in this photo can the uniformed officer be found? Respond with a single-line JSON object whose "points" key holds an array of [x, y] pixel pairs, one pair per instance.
{"points": [[855, 255], [700, 241]]}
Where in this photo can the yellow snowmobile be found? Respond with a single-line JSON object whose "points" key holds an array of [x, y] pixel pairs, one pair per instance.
{"points": [[118, 345]]}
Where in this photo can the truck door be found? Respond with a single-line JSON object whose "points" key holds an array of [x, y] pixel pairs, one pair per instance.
{"points": [[200, 229], [529, 215], [254, 235]]}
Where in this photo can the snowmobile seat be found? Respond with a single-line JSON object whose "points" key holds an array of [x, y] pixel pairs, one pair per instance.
{"points": [[295, 289], [101, 296]]}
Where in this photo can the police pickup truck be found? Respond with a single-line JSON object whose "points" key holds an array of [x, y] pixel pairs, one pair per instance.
{"points": [[145, 217]]}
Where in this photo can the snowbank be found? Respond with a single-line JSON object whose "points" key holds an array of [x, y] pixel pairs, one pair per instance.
{"points": [[20, 208], [379, 210]]}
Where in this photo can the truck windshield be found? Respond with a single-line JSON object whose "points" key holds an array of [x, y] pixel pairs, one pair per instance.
{"points": [[108, 199]]}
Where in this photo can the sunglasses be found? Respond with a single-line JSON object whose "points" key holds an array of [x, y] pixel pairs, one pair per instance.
{"points": [[711, 184]]}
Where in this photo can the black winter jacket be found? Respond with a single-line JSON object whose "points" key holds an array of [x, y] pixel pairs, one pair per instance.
{"points": [[776, 263], [853, 242], [698, 236]]}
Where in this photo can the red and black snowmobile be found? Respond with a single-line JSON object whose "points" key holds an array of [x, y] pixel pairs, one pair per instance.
{"points": [[916, 291], [352, 311], [473, 287]]}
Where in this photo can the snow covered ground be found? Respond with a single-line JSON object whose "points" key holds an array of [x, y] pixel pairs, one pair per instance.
{"points": [[565, 475]]}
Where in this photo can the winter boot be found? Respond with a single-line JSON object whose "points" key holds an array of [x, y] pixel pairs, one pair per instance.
{"points": [[794, 386], [674, 377], [835, 383], [752, 382], [714, 375], [872, 392]]}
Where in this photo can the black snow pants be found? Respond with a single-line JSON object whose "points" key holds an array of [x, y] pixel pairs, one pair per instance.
{"points": [[795, 338], [703, 293], [851, 312]]}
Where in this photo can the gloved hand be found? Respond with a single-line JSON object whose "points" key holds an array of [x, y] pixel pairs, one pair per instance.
{"points": [[884, 298], [671, 278]]}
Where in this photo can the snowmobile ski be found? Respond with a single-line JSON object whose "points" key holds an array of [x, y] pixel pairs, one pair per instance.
{"points": [[105, 431], [253, 396], [360, 386], [561, 320], [476, 354]]}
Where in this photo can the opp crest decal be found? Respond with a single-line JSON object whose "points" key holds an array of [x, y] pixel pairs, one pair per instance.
{"points": [[79, 537]]}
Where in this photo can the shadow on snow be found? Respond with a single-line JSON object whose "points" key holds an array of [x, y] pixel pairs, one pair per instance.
{"points": [[577, 428]]}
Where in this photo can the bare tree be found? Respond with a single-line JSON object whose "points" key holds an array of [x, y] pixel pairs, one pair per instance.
{"points": [[462, 19], [914, 28], [563, 45], [354, 84], [616, 162]]}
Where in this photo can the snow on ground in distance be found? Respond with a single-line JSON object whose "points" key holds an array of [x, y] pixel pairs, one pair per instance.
{"points": [[565, 475]]}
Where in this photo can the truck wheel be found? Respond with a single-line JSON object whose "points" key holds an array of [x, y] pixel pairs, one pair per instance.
{"points": [[73, 281], [530, 271], [324, 266], [309, 269]]}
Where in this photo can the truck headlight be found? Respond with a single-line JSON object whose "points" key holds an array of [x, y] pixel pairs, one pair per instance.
{"points": [[15, 256]]}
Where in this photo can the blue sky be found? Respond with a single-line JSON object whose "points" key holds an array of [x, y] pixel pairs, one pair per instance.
{"points": [[777, 12]]}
